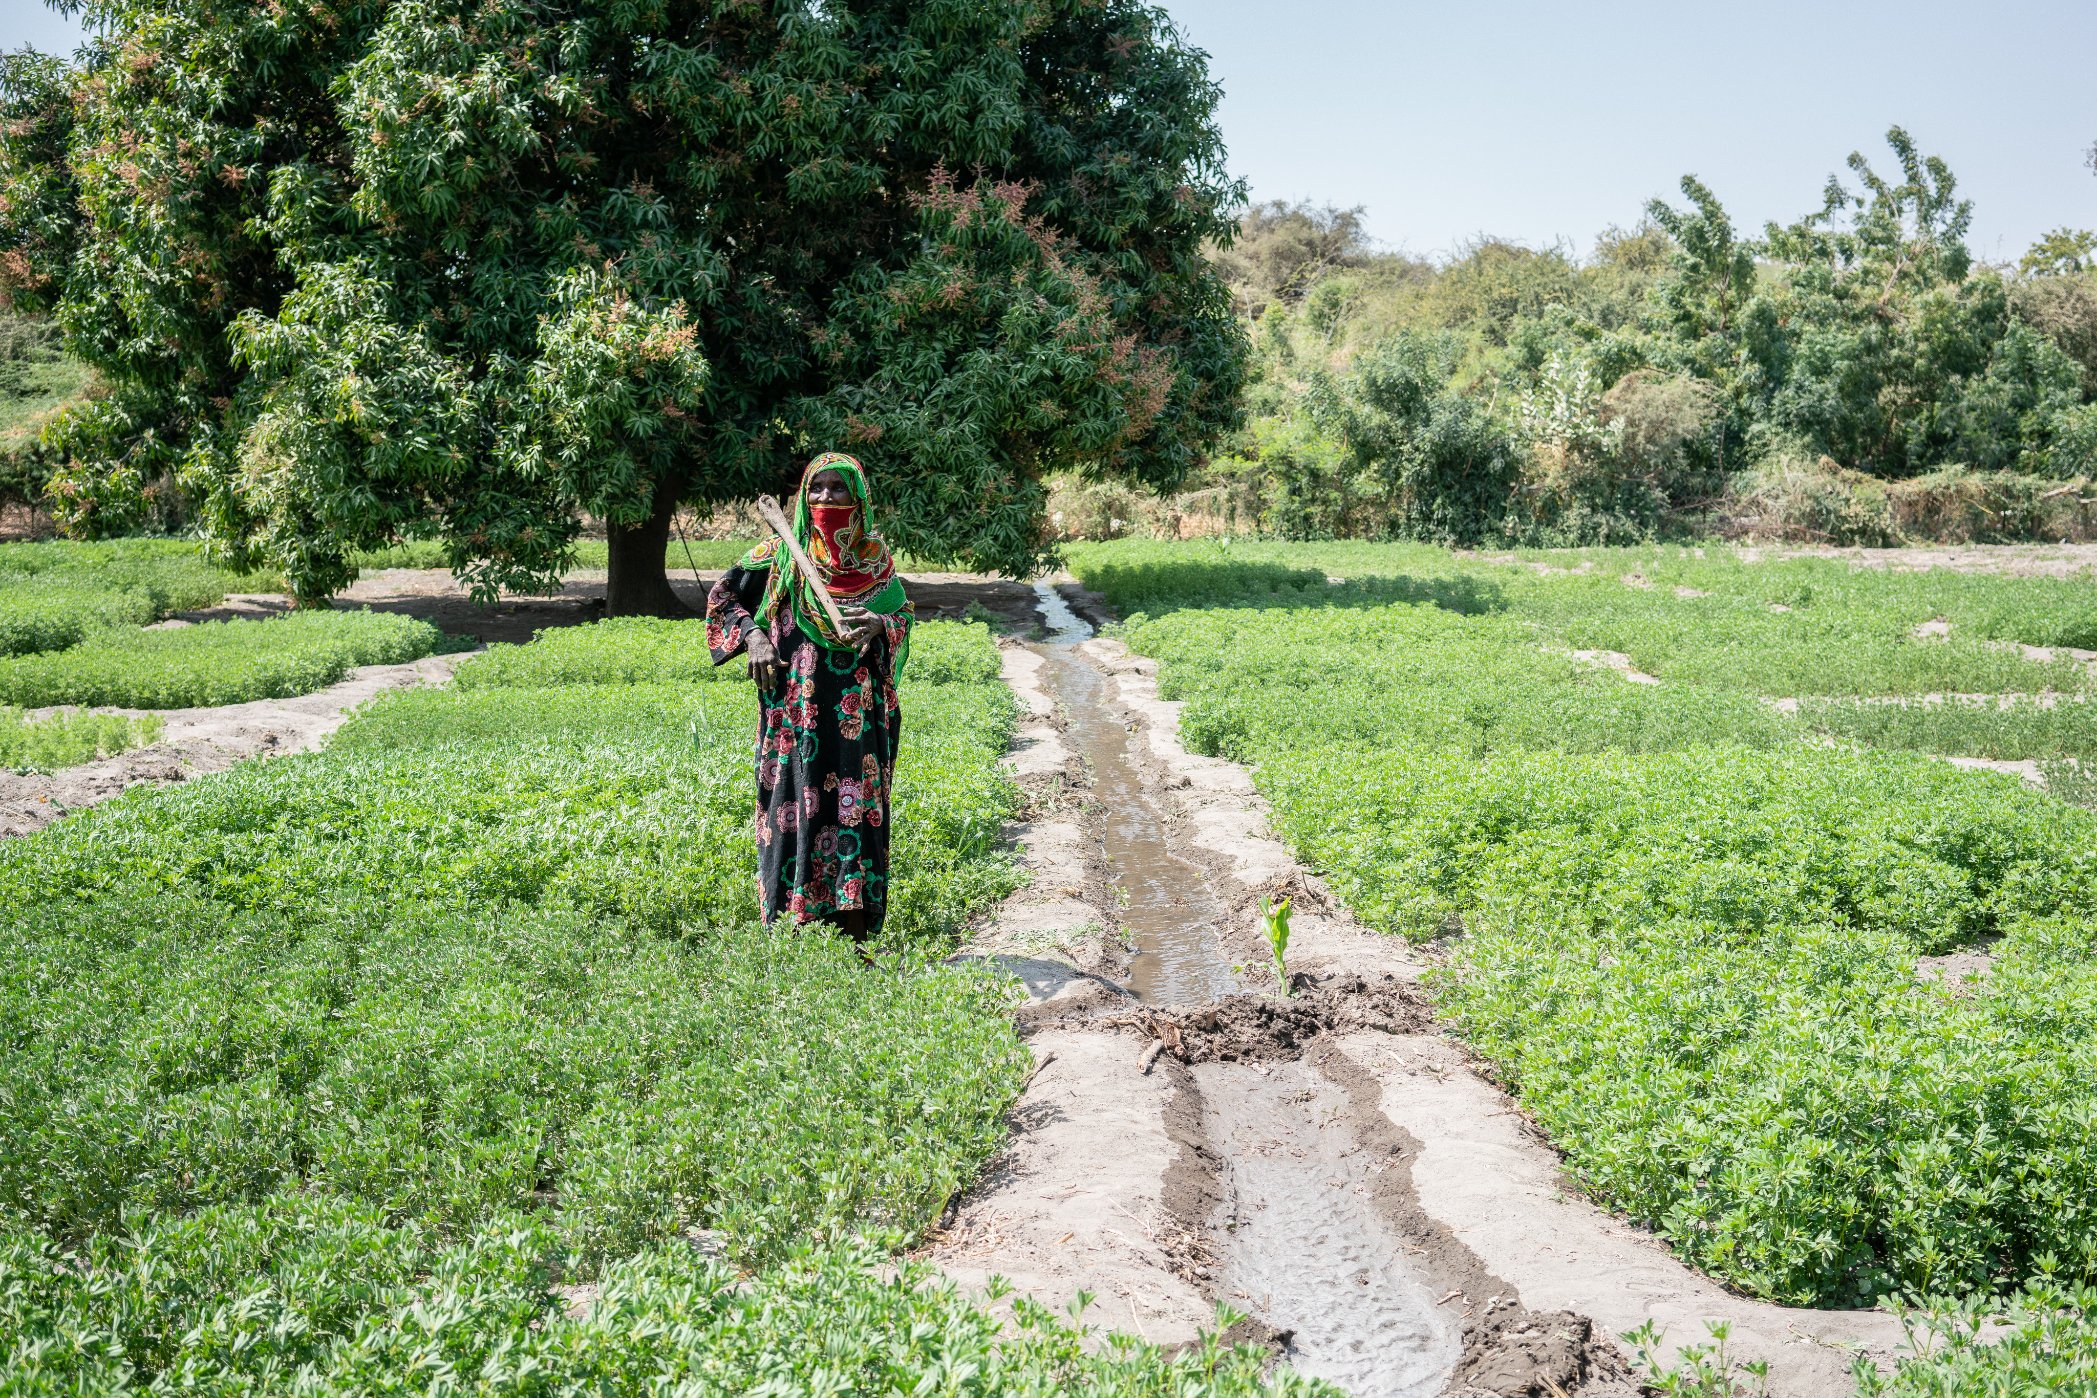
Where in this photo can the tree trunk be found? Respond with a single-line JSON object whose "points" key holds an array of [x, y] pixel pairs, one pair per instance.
{"points": [[637, 583]]}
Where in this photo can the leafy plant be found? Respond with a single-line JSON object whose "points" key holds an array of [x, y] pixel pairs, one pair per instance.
{"points": [[215, 662], [59, 740], [1699, 1371], [1689, 940], [338, 1070], [1275, 923], [2041, 1340]]}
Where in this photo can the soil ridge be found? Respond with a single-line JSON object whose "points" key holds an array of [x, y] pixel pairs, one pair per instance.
{"points": [[1125, 1120]]}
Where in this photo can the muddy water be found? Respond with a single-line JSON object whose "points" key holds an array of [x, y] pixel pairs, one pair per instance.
{"points": [[1167, 905], [1308, 1251], [1301, 1244]]}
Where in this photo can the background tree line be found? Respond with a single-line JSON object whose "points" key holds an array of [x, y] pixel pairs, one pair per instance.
{"points": [[1855, 375], [317, 278]]}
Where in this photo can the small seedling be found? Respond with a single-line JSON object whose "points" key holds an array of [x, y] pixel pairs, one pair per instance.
{"points": [[1276, 919]]}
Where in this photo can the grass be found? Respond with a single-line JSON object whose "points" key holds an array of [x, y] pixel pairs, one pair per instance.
{"points": [[53, 741], [214, 662], [55, 595], [345, 1070], [679, 555], [1687, 939]]}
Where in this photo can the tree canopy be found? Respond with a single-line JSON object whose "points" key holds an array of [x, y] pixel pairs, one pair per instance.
{"points": [[1686, 374], [364, 269]]}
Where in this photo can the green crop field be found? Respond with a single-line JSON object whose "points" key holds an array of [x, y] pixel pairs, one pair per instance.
{"points": [[214, 662], [1687, 927], [54, 595], [354, 1069], [70, 615]]}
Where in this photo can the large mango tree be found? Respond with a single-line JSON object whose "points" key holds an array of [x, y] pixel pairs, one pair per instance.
{"points": [[479, 270]]}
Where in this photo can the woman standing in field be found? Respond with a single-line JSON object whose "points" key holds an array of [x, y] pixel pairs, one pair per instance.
{"points": [[827, 730]]}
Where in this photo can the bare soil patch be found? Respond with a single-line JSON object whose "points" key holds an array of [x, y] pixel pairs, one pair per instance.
{"points": [[2016, 560], [1265, 1027]]}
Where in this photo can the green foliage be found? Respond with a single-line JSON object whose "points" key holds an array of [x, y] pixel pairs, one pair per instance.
{"points": [[468, 275], [214, 662], [2049, 1345], [2060, 253], [1282, 249], [67, 739], [1701, 1370], [330, 1300], [1689, 941], [1440, 470], [161, 575], [36, 379], [650, 650], [54, 595], [1683, 374], [619, 650], [1965, 726], [1275, 923], [349, 1068]]}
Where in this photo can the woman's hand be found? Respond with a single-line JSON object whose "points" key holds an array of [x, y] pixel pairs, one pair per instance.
{"points": [[765, 665], [862, 627]]}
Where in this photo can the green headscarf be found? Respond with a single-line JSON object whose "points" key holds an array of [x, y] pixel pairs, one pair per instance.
{"points": [[864, 576]]}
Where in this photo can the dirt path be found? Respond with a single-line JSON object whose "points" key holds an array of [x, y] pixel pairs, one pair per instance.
{"points": [[1331, 1165], [196, 741]]}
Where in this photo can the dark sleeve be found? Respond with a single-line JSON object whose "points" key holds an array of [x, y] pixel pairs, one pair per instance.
{"points": [[729, 611], [895, 633]]}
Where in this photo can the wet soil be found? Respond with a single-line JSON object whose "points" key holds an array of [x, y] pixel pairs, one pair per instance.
{"points": [[1331, 1164], [1262, 1027], [1191, 1137]]}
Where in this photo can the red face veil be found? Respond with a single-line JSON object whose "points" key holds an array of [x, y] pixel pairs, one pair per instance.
{"points": [[838, 533]]}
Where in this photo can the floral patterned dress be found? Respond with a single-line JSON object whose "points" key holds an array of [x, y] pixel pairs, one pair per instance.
{"points": [[826, 757]]}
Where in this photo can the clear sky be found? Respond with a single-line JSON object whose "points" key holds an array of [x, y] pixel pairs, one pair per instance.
{"points": [[1544, 121], [1547, 121]]}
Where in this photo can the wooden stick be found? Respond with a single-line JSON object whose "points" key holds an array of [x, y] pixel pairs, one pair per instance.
{"points": [[768, 510]]}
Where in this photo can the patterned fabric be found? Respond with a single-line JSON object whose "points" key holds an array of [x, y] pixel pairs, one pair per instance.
{"points": [[826, 740], [856, 566]]}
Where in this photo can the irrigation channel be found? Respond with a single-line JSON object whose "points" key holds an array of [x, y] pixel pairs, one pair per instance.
{"points": [[1302, 1247], [1329, 1164], [1165, 902]]}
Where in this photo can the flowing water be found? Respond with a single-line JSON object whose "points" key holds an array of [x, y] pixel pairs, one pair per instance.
{"points": [[1167, 904], [1302, 1246]]}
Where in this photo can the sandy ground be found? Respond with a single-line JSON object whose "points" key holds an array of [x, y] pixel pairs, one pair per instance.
{"points": [[1419, 1234], [196, 741], [2017, 560]]}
